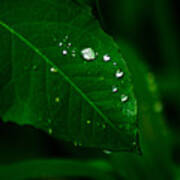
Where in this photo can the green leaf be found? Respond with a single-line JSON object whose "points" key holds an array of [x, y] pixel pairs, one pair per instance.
{"points": [[156, 161], [53, 169], [64, 94]]}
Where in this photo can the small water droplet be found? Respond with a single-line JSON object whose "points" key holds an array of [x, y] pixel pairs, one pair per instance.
{"points": [[69, 44], [52, 69], [119, 73], [124, 98], [64, 52], [114, 89], [66, 37], [106, 58], [60, 44], [115, 63], [73, 55], [50, 130], [107, 151], [88, 122], [57, 99], [88, 54]]}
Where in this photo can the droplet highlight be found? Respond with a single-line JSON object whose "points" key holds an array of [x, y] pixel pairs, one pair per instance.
{"points": [[114, 89], [124, 98], [119, 74], [64, 52], [106, 58], [52, 69]]}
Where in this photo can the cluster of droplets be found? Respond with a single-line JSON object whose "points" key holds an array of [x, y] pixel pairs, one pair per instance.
{"points": [[66, 46], [90, 55]]}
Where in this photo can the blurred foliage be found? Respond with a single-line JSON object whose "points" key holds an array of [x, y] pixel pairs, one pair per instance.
{"points": [[147, 34]]}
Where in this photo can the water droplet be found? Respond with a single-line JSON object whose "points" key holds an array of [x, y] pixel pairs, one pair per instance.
{"points": [[50, 130], [114, 89], [73, 55], [69, 44], [107, 151], [88, 54], [124, 98], [57, 99], [64, 52], [115, 63], [60, 44], [52, 69], [88, 122], [119, 73], [106, 58]]}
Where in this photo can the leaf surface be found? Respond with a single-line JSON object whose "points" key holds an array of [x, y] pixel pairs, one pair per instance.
{"points": [[48, 83]]}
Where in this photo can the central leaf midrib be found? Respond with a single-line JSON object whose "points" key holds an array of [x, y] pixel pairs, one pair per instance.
{"points": [[35, 49]]}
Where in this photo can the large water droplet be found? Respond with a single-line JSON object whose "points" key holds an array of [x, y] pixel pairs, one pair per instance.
{"points": [[64, 52], [119, 73], [124, 98], [88, 54], [106, 58], [114, 89]]}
